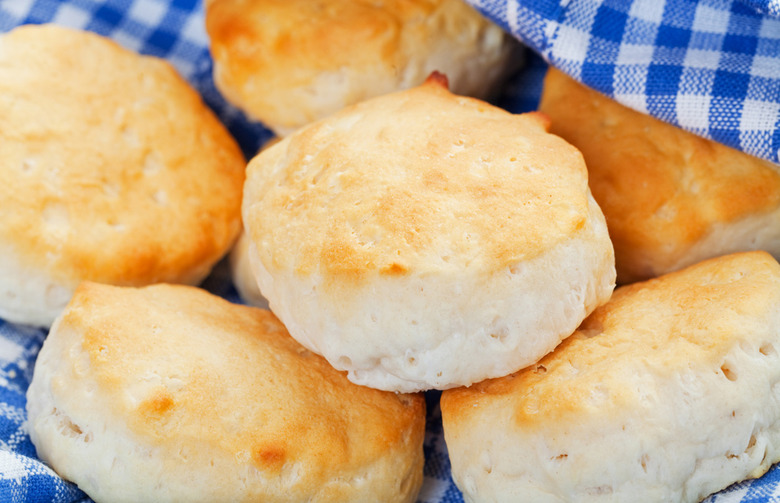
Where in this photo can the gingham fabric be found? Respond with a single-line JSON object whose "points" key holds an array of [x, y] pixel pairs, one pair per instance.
{"points": [[174, 30], [711, 67]]}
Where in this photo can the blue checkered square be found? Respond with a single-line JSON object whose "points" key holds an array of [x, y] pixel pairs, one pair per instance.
{"points": [[730, 85], [609, 24], [742, 44]]}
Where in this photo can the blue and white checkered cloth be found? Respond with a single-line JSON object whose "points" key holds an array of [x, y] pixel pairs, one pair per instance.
{"points": [[712, 67]]}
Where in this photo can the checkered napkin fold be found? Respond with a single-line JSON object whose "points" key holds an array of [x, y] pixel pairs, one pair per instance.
{"points": [[712, 67]]}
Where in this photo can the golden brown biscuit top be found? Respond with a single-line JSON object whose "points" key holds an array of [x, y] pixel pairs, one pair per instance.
{"points": [[657, 184], [683, 322], [413, 181], [113, 169], [323, 30], [293, 38], [196, 368]]}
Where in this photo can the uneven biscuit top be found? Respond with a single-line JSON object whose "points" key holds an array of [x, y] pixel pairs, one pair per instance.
{"points": [[198, 378], [113, 169], [648, 335], [258, 34], [273, 55], [661, 188], [255, 349], [413, 182]]}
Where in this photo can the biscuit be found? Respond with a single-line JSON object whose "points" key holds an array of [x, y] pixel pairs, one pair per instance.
{"points": [[290, 62], [669, 392], [424, 240], [168, 393], [670, 198], [113, 170], [242, 275]]}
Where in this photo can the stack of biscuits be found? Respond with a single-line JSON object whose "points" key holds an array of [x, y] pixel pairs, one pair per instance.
{"points": [[593, 292]]}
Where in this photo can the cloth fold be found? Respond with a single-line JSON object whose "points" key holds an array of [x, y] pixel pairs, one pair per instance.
{"points": [[711, 67]]}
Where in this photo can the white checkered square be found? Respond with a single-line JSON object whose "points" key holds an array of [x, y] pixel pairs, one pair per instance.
{"points": [[72, 16], [693, 111], [709, 19], [636, 102], [763, 66], [648, 10], [770, 28], [194, 31], [10, 351], [634, 54], [697, 81], [148, 12], [17, 8], [699, 58], [572, 43], [759, 116], [513, 15]]}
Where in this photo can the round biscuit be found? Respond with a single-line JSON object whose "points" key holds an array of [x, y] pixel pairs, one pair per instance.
{"points": [[671, 198], [426, 240], [290, 62], [666, 393], [113, 170], [168, 393]]}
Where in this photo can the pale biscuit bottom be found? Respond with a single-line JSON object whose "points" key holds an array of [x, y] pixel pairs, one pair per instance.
{"points": [[242, 275]]}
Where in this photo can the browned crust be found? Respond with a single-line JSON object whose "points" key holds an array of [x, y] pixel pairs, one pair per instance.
{"points": [[114, 168], [244, 385], [661, 188]]}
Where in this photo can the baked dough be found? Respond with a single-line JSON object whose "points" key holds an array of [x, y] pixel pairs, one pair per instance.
{"points": [[670, 198], [425, 240], [669, 392], [242, 275], [290, 62], [113, 170], [168, 393]]}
